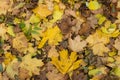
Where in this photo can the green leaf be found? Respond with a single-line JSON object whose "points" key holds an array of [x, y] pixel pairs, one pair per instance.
{"points": [[34, 32], [22, 25]]}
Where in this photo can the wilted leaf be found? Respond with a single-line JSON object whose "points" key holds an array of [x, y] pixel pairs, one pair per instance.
{"points": [[77, 44], [20, 42], [12, 69], [117, 45], [53, 52], [31, 64], [53, 73], [100, 49]]}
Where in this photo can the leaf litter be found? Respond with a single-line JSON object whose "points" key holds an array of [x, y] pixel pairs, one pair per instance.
{"points": [[59, 40]]}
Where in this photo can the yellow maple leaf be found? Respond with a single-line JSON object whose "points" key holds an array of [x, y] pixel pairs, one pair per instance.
{"points": [[8, 58], [53, 35], [42, 11], [57, 13], [110, 29], [31, 64], [66, 63]]}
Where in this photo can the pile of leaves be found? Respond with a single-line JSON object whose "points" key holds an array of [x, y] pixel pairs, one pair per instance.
{"points": [[59, 39]]}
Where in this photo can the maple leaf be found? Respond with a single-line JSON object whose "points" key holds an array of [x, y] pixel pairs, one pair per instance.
{"points": [[118, 17], [53, 52], [12, 69], [42, 11], [66, 64], [97, 37], [57, 13], [8, 58], [99, 49], [53, 73], [97, 42], [110, 29], [3, 30], [117, 45], [23, 74], [77, 44], [20, 42], [53, 35], [31, 64], [5, 5]]}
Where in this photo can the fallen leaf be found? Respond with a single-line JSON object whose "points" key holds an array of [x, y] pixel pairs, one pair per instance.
{"points": [[12, 69], [99, 49], [76, 44], [53, 52], [42, 11], [52, 35], [66, 63], [20, 42], [94, 5], [31, 64]]}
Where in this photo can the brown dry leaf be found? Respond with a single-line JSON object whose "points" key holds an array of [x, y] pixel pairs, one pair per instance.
{"points": [[20, 42], [97, 42], [92, 21], [4, 6], [85, 28], [117, 45], [99, 49], [23, 74], [76, 44], [53, 52], [53, 73]]}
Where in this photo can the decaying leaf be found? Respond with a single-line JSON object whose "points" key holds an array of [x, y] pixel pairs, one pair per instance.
{"points": [[77, 44], [66, 63], [53, 73], [100, 49], [31, 64], [23, 74], [5, 5], [53, 52], [117, 45], [20, 42], [98, 41], [12, 69]]}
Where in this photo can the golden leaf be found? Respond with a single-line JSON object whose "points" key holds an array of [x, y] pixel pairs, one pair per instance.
{"points": [[53, 35], [93, 5], [42, 11], [66, 64]]}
